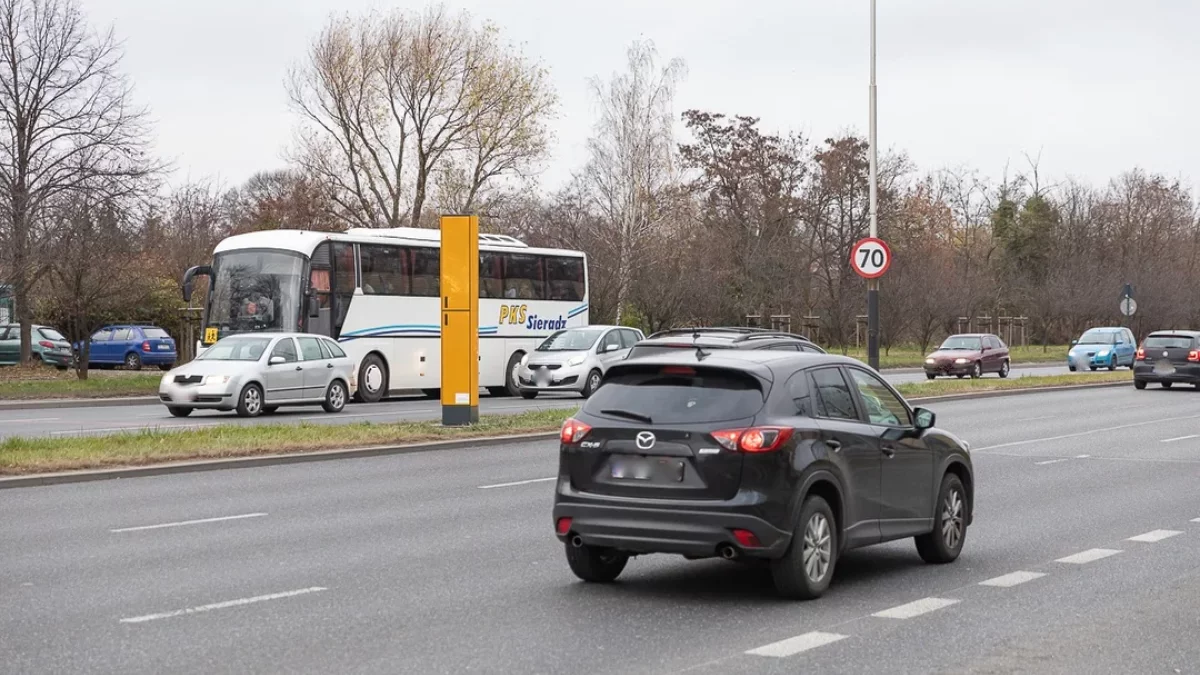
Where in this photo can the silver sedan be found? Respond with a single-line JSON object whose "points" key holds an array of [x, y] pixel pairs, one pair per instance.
{"points": [[257, 373]]}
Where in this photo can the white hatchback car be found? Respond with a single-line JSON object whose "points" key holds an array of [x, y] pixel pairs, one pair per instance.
{"points": [[574, 360], [259, 372]]}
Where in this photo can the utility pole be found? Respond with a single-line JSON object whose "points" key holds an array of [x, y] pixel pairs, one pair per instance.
{"points": [[873, 284]]}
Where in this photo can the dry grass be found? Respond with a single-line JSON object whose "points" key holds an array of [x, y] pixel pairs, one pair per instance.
{"points": [[19, 383], [944, 387]]}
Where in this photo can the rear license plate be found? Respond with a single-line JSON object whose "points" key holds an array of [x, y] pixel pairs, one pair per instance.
{"points": [[1164, 368], [164, 347], [646, 469]]}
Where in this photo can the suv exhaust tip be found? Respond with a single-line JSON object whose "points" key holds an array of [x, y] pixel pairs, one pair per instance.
{"points": [[577, 541], [728, 552]]}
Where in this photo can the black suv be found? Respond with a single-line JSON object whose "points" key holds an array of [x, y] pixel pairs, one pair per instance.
{"points": [[723, 338], [1167, 357], [789, 457]]}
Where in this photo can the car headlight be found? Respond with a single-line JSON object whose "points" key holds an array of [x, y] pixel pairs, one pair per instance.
{"points": [[525, 360], [216, 379], [930, 361], [960, 361], [577, 361], [1102, 352]]}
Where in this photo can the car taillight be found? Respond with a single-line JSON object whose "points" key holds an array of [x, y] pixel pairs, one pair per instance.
{"points": [[1194, 356], [146, 346], [1141, 354], [46, 344], [573, 431], [563, 526], [756, 439]]}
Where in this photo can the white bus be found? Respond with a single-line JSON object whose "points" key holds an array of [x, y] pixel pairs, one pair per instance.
{"points": [[376, 291]]}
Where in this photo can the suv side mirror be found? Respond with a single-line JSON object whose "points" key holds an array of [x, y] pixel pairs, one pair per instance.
{"points": [[1074, 342], [314, 307], [276, 360], [924, 419]]}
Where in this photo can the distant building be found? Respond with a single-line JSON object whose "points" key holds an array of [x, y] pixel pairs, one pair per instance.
{"points": [[8, 304]]}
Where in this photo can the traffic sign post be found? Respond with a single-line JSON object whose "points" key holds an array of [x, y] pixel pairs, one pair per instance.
{"points": [[870, 258], [1128, 306]]}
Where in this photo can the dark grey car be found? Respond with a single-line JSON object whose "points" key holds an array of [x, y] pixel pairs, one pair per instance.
{"points": [[791, 458]]}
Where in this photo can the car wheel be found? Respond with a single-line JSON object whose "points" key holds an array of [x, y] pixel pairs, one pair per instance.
{"points": [[165, 367], [529, 395], [1004, 368], [1166, 385], [335, 397], [250, 401], [945, 542], [511, 383], [960, 376], [372, 379], [1139, 384], [930, 377], [804, 572], [593, 383], [497, 392], [594, 564], [133, 362], [270, 409], [179, 411], [977, 371], [1092, 368], [1071, 368], [1112, 364]]}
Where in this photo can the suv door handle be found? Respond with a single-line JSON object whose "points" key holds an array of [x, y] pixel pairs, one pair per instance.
{"points": [[834, 445], [889, 451], [299, 368]]}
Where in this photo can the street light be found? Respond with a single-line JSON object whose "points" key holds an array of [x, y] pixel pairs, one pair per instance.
{"points": [[873, 284]]}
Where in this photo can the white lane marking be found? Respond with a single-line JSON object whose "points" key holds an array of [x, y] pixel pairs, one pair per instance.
{"points": [[1013, 579], [1196, 520], [1082, 456], [1090, 555], [1051, 461], [1179, 438], [1034, 419], [1089, 432], [915, 608], [223, 605], [520, 482], [182, 523], [795, 645], [34, 419], [1155, 535]]}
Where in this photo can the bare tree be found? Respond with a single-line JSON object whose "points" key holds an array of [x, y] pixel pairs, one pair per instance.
{"points": [[632, 165], [68, 126], [388, 101]]}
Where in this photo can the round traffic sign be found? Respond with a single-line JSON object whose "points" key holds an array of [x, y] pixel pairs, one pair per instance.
{"points": [[1128, 306], [870, 258]]}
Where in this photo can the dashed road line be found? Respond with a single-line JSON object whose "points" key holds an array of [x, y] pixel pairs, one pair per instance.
{"points": [[183, 523], [1013, 579], [519, 482], [1196, 520], [223, 605], [1089, 432], [1155, 535], [1180, 438], [1090, 555], [915, 608], [795, 645], [1051, 461]]}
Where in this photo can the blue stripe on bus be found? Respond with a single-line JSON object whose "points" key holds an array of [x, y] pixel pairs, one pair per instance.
{"points": [[577, 311]]}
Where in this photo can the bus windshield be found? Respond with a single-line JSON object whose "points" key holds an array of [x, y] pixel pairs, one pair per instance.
{"points": [[255, 291]]}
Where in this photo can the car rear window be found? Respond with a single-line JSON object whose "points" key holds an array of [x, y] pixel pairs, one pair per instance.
{"points": [[155, 333], [1168, 342], [679, 394], [51, 334]]}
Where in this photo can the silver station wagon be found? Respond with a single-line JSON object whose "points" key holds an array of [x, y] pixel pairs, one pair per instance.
{"points": [[257, 373]]}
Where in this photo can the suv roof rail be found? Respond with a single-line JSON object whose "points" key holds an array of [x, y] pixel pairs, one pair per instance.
{"points": [[773, 334], [736, 330]]}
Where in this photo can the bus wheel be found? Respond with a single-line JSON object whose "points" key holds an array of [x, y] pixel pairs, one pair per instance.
{"points": [[372, 379], [510, 377]]}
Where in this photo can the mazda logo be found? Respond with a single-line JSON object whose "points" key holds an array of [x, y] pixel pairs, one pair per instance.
{"points": [[645, 440]]}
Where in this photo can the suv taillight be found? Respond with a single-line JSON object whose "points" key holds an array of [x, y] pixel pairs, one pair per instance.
{"points": [[1194, 356], [755, 439], [146, 346], [1141, 354], [573, 431]]}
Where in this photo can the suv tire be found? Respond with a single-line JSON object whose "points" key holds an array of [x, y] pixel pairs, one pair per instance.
{"points": [[804, 572], [945, 542], [594, 564]]}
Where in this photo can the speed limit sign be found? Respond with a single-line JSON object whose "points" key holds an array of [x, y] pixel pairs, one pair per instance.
{"points": [[870, 258]]}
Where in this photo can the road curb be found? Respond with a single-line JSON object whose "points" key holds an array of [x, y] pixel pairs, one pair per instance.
{"points": [[53, 403], [196, 466], [86, 476]]}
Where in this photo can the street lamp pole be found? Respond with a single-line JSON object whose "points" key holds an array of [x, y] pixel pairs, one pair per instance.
{"points": [[873, 284]]}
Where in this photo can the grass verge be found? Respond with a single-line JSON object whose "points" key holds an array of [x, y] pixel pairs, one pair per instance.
{"points": [[912, 357], [20, 455], [24, 384], [943, 387]]}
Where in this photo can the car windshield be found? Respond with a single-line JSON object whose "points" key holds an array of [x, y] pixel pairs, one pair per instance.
{"points": [[51, 334], [255, 291], [236, 349], [678, 395], [1097, 337], [1168, 342], [962, 343], [573, 340]]}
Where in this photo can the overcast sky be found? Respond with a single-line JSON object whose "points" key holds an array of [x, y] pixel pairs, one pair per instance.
{"points": [[1096, 87]]}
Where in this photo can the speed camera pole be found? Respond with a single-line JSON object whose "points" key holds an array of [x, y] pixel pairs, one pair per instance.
{"points": [[873, 284]]}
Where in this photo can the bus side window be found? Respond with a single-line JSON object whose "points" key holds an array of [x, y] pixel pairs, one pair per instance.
{"points": [[426, 272], [491, 275], [565, 277], [523, 277]]}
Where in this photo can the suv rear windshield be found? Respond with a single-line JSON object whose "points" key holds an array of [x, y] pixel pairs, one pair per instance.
{"points": [[679, 394], [1168, 342], [51, 334], [155, 333]]}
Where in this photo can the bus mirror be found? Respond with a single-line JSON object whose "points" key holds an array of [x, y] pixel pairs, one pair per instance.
{"points": [[192, 273], [314, 307], [187, 290]]}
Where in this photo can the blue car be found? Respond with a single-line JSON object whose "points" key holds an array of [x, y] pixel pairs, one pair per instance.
{"points": [[132, 346], [1103, 348]]}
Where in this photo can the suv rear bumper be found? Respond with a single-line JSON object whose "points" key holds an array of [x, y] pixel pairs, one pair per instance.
{"points": [[1189, 374], [697, 532]]}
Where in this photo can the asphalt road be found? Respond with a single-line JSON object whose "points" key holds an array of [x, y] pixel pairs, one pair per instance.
{"points": [[1085, 557], [115, 419]]}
